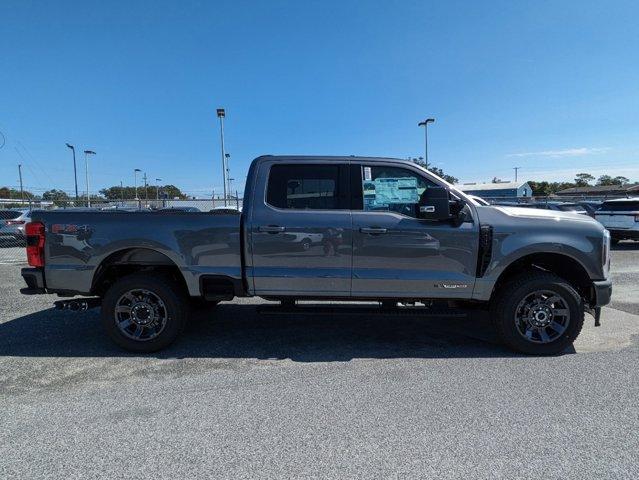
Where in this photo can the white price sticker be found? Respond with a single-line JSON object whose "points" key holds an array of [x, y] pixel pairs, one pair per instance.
{"points": [[367, 174]]}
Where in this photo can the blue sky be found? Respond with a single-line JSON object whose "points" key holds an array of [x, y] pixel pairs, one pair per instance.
{"points": [[552, 87]]}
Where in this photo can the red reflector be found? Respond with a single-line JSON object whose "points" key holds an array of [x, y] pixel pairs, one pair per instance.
{"points": [[35, 243]]}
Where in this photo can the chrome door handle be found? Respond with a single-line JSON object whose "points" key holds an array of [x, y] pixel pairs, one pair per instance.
{"points": [[372, 230], [271, 229]]}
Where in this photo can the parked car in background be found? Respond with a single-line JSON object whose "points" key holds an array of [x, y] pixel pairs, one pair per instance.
{"points": [[559, 207], [590, 206], [621, 218], [12, 224]]}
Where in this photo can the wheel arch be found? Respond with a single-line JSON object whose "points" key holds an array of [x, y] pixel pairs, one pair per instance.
{"points": [[560, 264], [127, 261]]}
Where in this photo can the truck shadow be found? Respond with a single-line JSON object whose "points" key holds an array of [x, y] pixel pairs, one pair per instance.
{"points": [[239, 331]]}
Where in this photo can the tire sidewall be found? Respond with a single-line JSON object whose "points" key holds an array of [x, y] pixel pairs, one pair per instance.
{"points": [[168, 293], [508, 307]]}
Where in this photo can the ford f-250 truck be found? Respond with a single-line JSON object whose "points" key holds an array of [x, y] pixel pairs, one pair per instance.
{"points": [[329, 228]]}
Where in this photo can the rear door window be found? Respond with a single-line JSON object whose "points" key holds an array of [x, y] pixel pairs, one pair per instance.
{"points": [[308, 187]]}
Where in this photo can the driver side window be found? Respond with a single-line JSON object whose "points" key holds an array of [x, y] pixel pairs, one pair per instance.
{"points": [[392, 189]]}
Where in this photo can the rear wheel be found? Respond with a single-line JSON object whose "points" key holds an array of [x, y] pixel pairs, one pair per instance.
{"points": [[143, 313], [538, 313]]}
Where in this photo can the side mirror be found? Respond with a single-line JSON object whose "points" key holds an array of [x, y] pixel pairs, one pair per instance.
{"points": [[434, 204]]}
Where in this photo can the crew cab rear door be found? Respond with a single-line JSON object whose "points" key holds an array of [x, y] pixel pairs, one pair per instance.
{"points": [[395, 254], [300, 232]]}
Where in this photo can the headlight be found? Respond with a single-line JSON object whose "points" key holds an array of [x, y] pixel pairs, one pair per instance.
{"points": [[605, 252]]}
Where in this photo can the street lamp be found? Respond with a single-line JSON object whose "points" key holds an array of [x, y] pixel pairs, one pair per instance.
{"points": [[75, 174], [135, 175], [221, 113], [157, 188], [86, 173], [425, 125]]}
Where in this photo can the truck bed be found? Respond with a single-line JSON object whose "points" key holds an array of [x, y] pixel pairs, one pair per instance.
{"points": [[198, 244]]}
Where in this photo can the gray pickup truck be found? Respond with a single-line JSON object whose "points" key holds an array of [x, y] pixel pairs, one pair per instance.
{"points": [[329, 228]]}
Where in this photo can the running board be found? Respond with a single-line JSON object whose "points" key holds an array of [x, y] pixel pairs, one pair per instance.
{"points": [[323, 309]]}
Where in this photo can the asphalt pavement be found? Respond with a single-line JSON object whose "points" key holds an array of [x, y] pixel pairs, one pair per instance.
{"points": [[248, 395]]}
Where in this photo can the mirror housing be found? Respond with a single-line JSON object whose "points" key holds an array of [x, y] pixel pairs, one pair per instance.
{"points": [[434, 204]]}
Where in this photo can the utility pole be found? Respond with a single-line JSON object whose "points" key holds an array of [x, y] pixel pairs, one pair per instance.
{"points": [[122, 192], [75, 173], [21, 189], [516, 169], [221, 113], [425, 125], [86, 173]]}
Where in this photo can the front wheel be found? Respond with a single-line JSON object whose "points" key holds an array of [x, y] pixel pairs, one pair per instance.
{"points": [[144, 314], [538, 313]]}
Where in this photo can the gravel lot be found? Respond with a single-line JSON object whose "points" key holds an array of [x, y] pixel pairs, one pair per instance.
{"points": [[261, 396]]}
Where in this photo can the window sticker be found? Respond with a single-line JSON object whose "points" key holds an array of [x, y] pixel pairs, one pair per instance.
{"points": [[367, 174]]}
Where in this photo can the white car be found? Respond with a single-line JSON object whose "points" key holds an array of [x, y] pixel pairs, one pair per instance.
{"points": [[621, 218]]}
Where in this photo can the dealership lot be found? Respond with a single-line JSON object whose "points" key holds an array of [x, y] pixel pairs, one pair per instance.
{"points": [[250, 395]]}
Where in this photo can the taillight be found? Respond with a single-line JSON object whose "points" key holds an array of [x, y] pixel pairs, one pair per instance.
{"points": [[15, 222], [35, 243]]}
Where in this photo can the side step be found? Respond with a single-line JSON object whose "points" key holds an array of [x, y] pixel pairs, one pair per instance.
{"points": [[78, 304], [350, 309]]}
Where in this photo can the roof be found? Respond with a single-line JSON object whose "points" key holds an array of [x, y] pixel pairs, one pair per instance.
{"points": [[598, 189], [491, 186], [330, 158]]}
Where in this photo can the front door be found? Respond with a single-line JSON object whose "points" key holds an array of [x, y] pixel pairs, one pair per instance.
{"points": [[397, 255], [301, 242]]}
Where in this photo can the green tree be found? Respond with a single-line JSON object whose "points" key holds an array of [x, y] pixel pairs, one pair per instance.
{"points": [[55, 195], [436, 170], [128, 193], [608, 180], [583, 179], [7, 192]]}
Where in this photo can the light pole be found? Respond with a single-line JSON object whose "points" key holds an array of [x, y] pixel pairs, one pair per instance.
{"points": [[227, 157], [157, 188], [221, 113], [425, 125], [135, 175], [146, 191], [86, 173], [75, 174]]}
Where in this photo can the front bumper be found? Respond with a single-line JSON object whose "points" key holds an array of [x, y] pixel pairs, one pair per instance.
{"points": [[603, 292], [34, 278]]}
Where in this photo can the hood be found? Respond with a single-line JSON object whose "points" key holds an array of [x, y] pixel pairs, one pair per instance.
{"points": [[527, 219], [538, 213]]}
